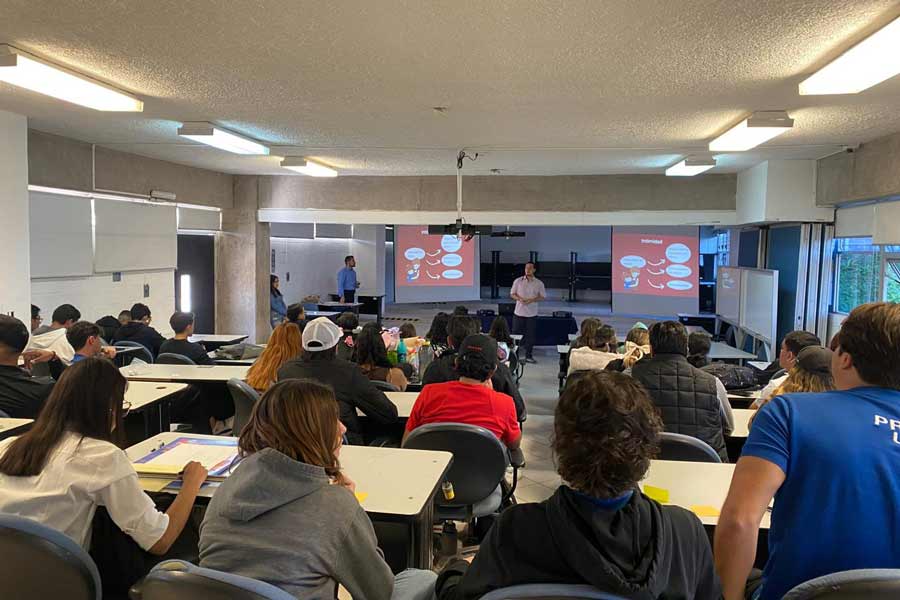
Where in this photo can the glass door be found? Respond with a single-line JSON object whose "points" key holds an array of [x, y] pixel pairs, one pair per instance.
{"points": [[891, 277]]}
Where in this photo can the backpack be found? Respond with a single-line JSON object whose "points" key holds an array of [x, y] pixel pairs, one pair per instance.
{"points": [[733, 377]]}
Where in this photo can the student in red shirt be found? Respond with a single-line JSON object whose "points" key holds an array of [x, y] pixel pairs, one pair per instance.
{"points": [[472, 399]]}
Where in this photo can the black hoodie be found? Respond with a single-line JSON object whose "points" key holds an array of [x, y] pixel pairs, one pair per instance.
{"points": [[642, 551], [143, 334]]}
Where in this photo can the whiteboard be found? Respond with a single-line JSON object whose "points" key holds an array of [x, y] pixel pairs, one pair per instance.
{"points": [[728, 294], [759, 306], [61, 236], [131, 236]]}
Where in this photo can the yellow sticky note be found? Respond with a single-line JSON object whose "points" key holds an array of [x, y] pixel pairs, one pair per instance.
{"points": [[661, 495], [361, 496], [153, 484], [705, 511]]}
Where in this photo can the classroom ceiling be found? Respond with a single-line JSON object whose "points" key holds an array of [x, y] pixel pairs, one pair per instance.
{"points": [[543, 88]]}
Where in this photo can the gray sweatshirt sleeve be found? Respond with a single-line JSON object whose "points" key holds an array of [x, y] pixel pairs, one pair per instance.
{"points": [[360, 566], [725, 407]]}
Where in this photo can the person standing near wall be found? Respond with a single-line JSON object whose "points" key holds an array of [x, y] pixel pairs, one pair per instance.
{"points": [[527, 291], [346, 281], [277, 307]]}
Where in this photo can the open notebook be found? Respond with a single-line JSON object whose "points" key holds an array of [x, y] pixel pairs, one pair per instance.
{"points": [[218, 455]]}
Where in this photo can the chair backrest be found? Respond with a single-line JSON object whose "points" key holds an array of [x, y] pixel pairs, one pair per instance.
{"points": [[384, 386], [170, 358], [871, 584], [179, 580], [549, 591], [245, 397], [3, 415], [31, 551], [479, 458], [677, 446], [143, 353]]}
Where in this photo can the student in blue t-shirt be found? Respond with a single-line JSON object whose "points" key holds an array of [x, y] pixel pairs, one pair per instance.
{"points": [[832, 462]]}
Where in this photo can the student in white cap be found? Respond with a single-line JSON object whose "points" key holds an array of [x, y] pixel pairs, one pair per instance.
{"points": [[318, 361]]}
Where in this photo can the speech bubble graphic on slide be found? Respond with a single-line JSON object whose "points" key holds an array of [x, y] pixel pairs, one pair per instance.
{"points": [[633, 262], [679, 271], [678, 253], [414, 254], [451, 260], [679, 285], [452, 274], [451, 243]]}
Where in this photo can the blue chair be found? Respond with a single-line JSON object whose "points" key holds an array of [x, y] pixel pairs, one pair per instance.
{"points": [[142, 352], [180, 580], [868, 584], [245, 398], [170, 358], [677, 446], [550, 591], [40, 562]]}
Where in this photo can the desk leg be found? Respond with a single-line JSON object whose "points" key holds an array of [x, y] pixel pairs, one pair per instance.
{"points": [[563, 368], [165, 418], [421, 551]]}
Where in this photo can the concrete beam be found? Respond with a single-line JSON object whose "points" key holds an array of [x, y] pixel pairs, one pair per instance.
{"points": [[870, 172]]}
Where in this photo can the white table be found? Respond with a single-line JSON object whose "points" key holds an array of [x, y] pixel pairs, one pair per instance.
{"points": [[404, 402], [217, 338], [517, 337], [399, 485], [315, 314], [245, 362], [742, 418], [694, 484], [11, 427], [150, 399], [743, 400], [185, 373], [759, 365], [722, 351]]}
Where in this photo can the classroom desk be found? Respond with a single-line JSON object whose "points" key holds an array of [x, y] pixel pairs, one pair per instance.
{"points": [[517, 337], [11, 427], [742, 422], [402, 400], [743, 399], [563, 350], [147, 397], [549, 330], [315, 314], [722, 351], [185, 373], [340, 308], [759, 365], [399, 485], [694, 484], [240, 362], [212, 341]]}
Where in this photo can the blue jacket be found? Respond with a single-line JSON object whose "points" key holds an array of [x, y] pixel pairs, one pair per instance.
{"points": [[276, 303]]}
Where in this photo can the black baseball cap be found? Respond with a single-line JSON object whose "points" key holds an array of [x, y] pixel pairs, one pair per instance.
{"points": [[815, 359], [480, 344]]}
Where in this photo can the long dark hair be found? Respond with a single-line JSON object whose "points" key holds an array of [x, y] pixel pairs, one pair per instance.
{"points": [[87, 401], [438, 332], [500, 331], [272, 289], [370, 349]]}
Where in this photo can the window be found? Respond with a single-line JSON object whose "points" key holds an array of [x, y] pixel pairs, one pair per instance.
{"points": [[723, 247], [892, 278], [864, 273]]}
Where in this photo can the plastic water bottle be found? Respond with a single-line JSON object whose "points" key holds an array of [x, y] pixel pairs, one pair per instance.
{"points": [[401, 352]]}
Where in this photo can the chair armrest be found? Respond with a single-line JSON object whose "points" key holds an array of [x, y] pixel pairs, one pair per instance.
{"points": [[516, 458], [137, 590]]}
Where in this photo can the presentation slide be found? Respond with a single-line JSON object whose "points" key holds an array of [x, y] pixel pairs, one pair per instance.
{"points": [[434, 268], [656, 270]]}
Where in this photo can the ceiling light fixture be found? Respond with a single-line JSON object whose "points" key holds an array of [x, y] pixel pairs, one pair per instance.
{"points": [[27, 71], [868, 63], [213, 135], [307, 166], [690, 167], [760, 127]]}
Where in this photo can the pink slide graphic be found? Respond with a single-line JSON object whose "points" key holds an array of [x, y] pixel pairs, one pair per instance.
{"points": [[655, 265], [423, 260]]}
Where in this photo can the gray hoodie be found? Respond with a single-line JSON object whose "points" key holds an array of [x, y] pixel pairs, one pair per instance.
{"points": [[281, 521]]}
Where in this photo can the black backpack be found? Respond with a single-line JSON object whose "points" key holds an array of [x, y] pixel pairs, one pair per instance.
{"points": [[733, 377]]}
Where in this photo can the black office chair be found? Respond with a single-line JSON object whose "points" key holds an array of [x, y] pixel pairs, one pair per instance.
{"points": [[676, 446], [31, 551], [478, 468], [245, 398], [517, 362], [3, 415], [170, 358], [861, 584], [549, 591], [142, 352], [384, 386], [179, 580]]}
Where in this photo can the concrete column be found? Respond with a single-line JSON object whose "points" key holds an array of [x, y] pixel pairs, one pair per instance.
{"points": [[15, 268], [367, 246], [243, 257]]}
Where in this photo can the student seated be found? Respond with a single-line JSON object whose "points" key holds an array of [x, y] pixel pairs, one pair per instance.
{"points": [[296, 314], [830, 461], [587, 333], [460, 310], [686, 396], [84, 337], [699, 345], [596, 353], [791, 346], [139, 330], [284, 345], [319, 362], [505, 343], [124, 317], [444, 368], [637, 346], [108, 326], [36, 318], [437, 334], [372, 358], [811, 373], [348, 322], [182, 323], [471, 399], [21, 395], [408, 330], [307, 532], [69, 463], [53, 337], [598, 528]]}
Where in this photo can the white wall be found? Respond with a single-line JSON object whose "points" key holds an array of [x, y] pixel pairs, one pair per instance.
{"points": [[553, 243], [98, 295], [367, 247], [15, 268], [312, 265]]}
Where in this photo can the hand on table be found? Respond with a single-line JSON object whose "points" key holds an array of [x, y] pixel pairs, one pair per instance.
{"points": [[193, 475], [108, 352], [34, 357]]}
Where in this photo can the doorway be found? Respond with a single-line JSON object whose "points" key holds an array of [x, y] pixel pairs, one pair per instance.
{"points": [[195, 280]]}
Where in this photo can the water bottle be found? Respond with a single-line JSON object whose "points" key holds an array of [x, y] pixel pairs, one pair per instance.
{"points": [[401, 352]]}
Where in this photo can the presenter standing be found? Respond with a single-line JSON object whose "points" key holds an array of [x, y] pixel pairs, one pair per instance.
{"points": [[527, 291], [346, 281]]}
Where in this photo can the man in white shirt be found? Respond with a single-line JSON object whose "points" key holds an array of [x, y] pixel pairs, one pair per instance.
{"points": [[791, 346], [527, 291]]}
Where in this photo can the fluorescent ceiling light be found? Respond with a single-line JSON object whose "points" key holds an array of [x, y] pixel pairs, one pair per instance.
{"points": [[690, 167], [308, 166], [760, 127], [32, 73], [213, 135], [868, 63]]}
